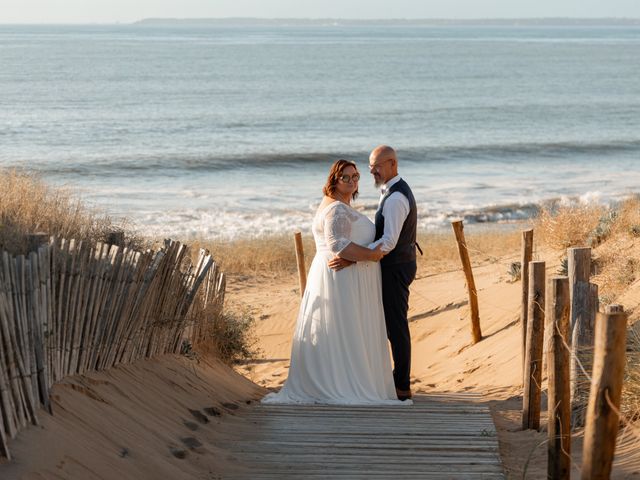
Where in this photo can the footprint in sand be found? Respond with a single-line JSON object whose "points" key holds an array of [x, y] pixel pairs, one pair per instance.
{"points": [[191, 442], [212, 411], [191, 426], [199, 416], [230, 406], [178, 452]]}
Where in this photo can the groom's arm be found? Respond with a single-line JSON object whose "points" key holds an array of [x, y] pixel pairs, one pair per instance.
{"points": [[395, 211]]}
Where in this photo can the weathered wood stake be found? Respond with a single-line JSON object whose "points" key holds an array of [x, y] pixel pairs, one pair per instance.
{"points": [[525, 258], [35, 240], [535, 339], [579, 270], [582, 339], [302, 271], [604, 399], [458, 230], [559, 398]]}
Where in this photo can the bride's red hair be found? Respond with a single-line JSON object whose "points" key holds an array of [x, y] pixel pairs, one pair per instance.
{"points": [[335, 173]]}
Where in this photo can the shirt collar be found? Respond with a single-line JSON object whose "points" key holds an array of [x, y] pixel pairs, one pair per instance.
{"points": [[389, 184]]}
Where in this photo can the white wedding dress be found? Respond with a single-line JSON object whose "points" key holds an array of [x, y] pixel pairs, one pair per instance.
{"points": [[340, 353]]}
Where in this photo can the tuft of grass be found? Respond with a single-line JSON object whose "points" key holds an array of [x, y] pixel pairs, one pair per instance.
{"points": [[561, 227], [627, 220], [563, 269], [515, 271], [631, 386], [232, 337], [611, 232], [28, 205]]}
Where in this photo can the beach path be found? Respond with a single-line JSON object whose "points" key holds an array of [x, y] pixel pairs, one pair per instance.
{"points": [[440, 436]]}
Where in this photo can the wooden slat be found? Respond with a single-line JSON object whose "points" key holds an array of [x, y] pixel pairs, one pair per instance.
{"points": [[366, 474], [439, 436]]}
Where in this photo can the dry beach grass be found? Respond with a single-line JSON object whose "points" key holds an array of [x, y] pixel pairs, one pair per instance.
{"points": [[275, 255], [28, 205]]}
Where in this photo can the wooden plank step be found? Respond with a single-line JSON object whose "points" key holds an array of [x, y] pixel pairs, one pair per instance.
{"points": [[372, 442], [440, 436], [393, 461], [372, 475]]}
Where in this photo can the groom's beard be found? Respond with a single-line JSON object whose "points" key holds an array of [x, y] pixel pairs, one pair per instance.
{"points": [[377, 181]]}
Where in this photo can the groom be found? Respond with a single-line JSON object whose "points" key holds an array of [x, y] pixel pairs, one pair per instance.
{"points": [[396, 225]]}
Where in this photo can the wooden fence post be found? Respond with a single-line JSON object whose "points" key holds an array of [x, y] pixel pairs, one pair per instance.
{"points": [[582, 340], [604, 399], [526, 257], [535, 338], [458, 230], [302, 271], [35, 240], [4, 447], [582, 332], [559, 399]]}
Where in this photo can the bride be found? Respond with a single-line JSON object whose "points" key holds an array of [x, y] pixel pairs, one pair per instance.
{"points": [[340, 353]]}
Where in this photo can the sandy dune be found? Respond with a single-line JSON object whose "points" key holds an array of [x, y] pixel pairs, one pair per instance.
{"points": [[159, 419]]}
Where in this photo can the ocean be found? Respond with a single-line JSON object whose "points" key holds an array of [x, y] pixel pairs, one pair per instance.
{"points": [[222, 132]]}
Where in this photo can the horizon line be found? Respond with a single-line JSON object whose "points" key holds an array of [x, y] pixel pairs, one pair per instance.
{"points": [[340, 19]]}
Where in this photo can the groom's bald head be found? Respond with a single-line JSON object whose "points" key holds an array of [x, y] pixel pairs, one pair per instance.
{"points": [[383, 164]]}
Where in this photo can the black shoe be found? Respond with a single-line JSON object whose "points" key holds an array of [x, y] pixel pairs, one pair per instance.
{"points": [[404, 394]]}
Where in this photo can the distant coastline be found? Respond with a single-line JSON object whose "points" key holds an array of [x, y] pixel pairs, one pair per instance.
{"points": [[514, 22]]}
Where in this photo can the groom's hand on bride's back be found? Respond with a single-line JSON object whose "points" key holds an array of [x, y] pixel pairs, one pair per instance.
{"points": [[337, 263]]}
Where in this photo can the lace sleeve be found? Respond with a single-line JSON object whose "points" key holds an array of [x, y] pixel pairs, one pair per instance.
{"points": [[337, 228]]}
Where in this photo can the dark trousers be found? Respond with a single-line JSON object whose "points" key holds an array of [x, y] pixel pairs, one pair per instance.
{"points": [[395, 298]]}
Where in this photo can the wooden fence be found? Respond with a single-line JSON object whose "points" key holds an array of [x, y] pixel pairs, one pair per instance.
{"points": [[586, 355], [69, 308]]}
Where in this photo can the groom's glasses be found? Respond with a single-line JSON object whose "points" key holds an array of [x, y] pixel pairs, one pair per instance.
{"points": [[374, 167], [346, 178]]}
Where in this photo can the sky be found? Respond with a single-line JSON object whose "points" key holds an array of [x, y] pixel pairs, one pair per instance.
{"points": [[125, 11]]}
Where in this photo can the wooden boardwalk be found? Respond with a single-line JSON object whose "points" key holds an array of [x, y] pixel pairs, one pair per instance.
{"points": [[439, 437]]}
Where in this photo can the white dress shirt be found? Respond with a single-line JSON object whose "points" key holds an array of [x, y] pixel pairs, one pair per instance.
{"points": [[395, 211]]}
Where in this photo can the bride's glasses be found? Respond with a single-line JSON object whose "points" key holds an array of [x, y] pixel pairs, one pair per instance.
{"points": [[346, 178]]}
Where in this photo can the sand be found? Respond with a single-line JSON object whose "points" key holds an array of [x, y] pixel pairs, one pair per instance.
{"points": [[170, 417], [159, 419]]}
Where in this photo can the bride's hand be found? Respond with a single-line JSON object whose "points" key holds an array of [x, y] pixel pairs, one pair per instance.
{"points": [[337, 263], [377, 253]]}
